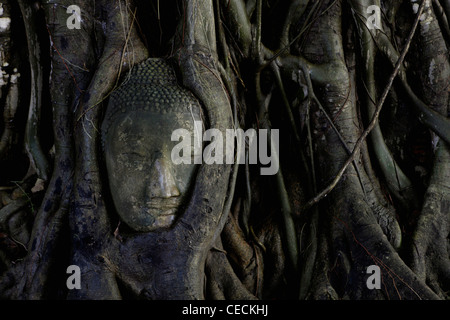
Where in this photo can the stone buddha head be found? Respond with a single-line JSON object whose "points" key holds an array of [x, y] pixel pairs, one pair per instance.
{"points": [[147, 188]]}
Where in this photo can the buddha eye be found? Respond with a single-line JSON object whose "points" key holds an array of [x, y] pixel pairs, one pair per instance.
{"points": [[133, 158], [133, 154]]}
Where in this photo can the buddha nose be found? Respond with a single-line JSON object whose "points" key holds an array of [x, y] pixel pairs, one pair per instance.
{"points": [[162, 182]]}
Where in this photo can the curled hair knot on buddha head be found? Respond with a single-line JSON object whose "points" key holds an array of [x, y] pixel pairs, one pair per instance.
{"points": [[151, 86], [147, 188]]}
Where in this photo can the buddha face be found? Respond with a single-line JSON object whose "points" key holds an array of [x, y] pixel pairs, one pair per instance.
{"points": [[146, 187]]}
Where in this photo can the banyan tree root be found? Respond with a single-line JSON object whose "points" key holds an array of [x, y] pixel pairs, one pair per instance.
{"points": [[37, 155], [357, 239], [430, 256], [73, 82]]}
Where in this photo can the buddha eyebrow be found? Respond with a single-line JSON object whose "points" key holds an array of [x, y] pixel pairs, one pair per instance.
{"points": [[133, 153], [133, 145]]}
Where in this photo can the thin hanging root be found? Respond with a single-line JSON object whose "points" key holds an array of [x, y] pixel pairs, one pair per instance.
{"points": [[12, 102], [314, 15], [311, 176], [310, 172], [314, 98], [288, 109], [432, 119], [247, 206], [291, 235], [32, 144], [263, 114], [221, 37], [446, 7], [397, 181], [443, 20], [309, 254], [375, 116], [286, 210], [295, 11]]}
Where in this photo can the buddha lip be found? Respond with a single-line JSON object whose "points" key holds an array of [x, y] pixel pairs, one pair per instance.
{"points": [[162, 206], [164, 199], [161, 210], [158, 203]]}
